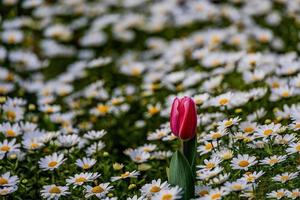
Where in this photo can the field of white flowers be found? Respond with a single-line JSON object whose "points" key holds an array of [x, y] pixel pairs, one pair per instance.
{"points": [[149, 99]]}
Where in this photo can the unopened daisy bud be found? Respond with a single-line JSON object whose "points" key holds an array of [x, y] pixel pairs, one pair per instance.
{"points": [[247, 140], [118, 166], [105, 154], [278, 119], [179, 87], [31, 107], [110, 194], [144, 167], [238, 110], [46, 150], [34, 119], [214, 124], [21, 92], [2, 99], [282, 129], [13, 156], [131, 186], [24, 181], [268, 121], [93, 118]]}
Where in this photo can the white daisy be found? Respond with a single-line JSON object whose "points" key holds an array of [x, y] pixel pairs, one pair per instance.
{"points": [[51, 162], [243, 162], [54, 191]]}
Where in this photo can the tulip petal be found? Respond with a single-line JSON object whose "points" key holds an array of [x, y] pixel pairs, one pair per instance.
{"points": [[188, 119], [174, 122]]}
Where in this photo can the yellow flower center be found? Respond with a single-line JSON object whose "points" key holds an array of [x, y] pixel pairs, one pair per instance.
{"points": [[223, 101], [115, 101], [275, 85], [273, 161], [228, 123], [155, 189], [295, 194], [208, 146], [250, 178], [103, 109], [236, 41], [34, 145], [3, 181], [215, 39], [136, 71], [216, 196], [5, 148], [52, 164], [125, 175], [284, 178], [167, 197], [4, 192], [227, 155], [280, 194], [268, 132], [146, 149], [11, 115], [285, 94], [138, 158], [249, 129], [49, 110], [86, 166], [10, 133], [264, 38], [55, 190], [80, 180], [97, 189], [161, 134], [297, 125], [216, 135], [11, 39], [243, 163], [153, 110], [237, 187], [297, 147], [3, 90], [215, 63], [198, 101], [202, 193], [252, 62], [154, 86], [179, 87], [210, 165]]}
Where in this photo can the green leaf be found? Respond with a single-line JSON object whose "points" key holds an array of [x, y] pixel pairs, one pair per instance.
{"points": [[180, 173], [168, 172]]}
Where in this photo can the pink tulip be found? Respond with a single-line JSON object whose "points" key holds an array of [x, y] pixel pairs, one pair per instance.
{"points": [[183, 119]]}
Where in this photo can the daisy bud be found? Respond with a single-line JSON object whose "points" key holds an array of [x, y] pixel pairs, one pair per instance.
{"points": [[110, 194], [131, 186], [105, 154], [118, 166], [2, 99], [183, 119]]}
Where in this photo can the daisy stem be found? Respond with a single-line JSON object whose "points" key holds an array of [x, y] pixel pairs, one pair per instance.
{"points": [[53, 177]]}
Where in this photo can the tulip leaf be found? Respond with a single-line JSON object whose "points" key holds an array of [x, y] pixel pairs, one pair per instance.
{"points": [[168, 172], [180, 173]]}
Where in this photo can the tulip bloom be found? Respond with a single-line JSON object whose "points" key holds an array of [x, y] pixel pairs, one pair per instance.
{"points": [[183, 119]]}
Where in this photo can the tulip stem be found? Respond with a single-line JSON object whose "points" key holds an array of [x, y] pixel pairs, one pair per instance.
{"points": [[188, 149]]}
